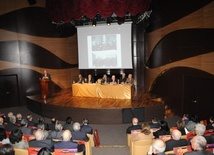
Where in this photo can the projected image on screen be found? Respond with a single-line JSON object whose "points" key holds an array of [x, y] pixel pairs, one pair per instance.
{"points": [[104, 51], [105, 47]]}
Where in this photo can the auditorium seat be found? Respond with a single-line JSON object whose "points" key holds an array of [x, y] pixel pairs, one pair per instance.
{"points": [[140, 147], [91, 139], [128, 139], [33, 150], [20, 151], [88, 149], [169, 152]]}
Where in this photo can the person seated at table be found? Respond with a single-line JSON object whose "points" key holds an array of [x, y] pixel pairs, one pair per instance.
{"points": [[130, 80], [90, 79], [105, 79], [145, 134], [113, 80], [80, 79], [175, 140], [123, 78], [198, 144]]}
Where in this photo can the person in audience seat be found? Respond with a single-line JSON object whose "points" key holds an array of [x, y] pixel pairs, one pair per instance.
{"points": [[199, 131], [176, 140], [17, 141], [163, 130], [180, 124], [56, 134], [198, 144], [158, 147], [31, 123], [52, 125], [154, 124], [211, 124], [7, 119], [41, 142], [68, 125], [7, 149], [1, 122], [24, 127], [77, 134], [3, 137], [134, 126], [11, 125], [85, 127], [41, 121], [145, 134], [67, 142], [18, 118]]}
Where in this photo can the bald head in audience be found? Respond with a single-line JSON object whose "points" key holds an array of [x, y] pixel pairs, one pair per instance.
{"points": [[39, 135], [176, 134], [66, 136], [158, 146], [135, 121]]}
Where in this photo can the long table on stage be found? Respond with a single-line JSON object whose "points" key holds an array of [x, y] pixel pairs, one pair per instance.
{"points": [[116, 91]]}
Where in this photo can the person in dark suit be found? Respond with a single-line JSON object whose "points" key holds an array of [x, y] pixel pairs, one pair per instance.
{"points": [[77, 134], [11, 125], [105, 79], [113, 80], [23, 127], [80, 79], [53, 123], [176, 141], [90, 79], [67, 143], [85, 127], [211, 124], [46, 75], [198, 144], [163, 130], [123, 78], [68, 125], [40, 142], [154, 124], [31, 123], [134, 126]]}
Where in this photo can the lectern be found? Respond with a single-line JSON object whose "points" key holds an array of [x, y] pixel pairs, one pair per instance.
{"points": [[44, 84]]}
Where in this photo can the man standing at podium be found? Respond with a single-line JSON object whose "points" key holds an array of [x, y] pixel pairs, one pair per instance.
{"points": [[46, 75]]}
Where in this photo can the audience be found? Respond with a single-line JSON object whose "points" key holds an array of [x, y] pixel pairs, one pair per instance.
{"points": [[16, 140], [18, 119], [7, 149], [24, 127], [145, 134], [67, 142], [175, 141], [180, 124], [163, 130], [198, 144], [134, 126], [41, 121], [77, 134], [154, 124], [52, 125], [158, 147], [41, 142], [10, 114], [1, 122], [31, 123], [44, 151], [85, 127], [210, 125], [11, 125], [56, 134], [68, 124], [3, 137]]}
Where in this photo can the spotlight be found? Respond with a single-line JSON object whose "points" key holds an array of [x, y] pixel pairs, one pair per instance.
{"points": [[94, 22], [109, 20]]}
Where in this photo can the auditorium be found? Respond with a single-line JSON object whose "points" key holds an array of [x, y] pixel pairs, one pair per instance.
{"points": [[108, 61]]}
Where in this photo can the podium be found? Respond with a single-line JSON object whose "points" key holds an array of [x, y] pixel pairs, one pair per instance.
{"points": [[44, 84]]}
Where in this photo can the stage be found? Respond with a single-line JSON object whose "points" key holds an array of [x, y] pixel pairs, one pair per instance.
{"points": [[97, 110]]}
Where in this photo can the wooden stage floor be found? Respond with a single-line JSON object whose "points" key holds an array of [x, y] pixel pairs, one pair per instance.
{"points": [[97, 110]]}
